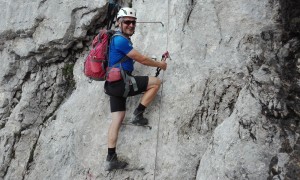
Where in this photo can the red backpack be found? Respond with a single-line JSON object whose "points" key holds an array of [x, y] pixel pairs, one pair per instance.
{"points": [[95, 65], [96, 62]]}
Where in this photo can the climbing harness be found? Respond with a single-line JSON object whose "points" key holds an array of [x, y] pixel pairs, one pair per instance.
{"points": [[164, 57], [128, 79]]}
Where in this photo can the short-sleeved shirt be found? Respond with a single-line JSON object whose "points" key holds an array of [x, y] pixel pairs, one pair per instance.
{"points": [[119, 47]]}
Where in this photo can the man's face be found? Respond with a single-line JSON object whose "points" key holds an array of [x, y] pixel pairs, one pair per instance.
{"points": [[128, 25]]}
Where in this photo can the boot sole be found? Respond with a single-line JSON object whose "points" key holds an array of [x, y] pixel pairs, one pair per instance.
{"points": [[111, 169]]}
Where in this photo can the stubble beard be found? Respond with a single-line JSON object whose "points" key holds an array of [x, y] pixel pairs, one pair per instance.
{"points": [[129, 32]]}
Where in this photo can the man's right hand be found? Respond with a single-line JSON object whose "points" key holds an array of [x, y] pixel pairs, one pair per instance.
{"points": [[163, 65]]}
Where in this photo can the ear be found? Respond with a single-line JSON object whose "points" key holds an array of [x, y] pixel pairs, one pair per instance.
{"points": [[120, 20]]}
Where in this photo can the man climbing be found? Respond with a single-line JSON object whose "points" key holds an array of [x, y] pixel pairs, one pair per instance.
{"points": [[121, 46]]}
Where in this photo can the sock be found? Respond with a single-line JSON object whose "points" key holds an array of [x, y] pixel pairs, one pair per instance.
{"points": [[140, 108], [111, 151]]}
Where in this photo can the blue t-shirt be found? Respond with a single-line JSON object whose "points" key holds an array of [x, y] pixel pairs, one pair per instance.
{"points": [[119, 47]]}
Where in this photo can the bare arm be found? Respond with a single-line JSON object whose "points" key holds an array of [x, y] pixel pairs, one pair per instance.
{"points": [[134, 54]]}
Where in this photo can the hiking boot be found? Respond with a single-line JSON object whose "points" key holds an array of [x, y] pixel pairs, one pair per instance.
{"points": [[138, 119], [113, 163]]}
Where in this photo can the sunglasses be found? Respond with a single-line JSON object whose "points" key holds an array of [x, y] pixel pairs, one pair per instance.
{"points": [[128, 22]]}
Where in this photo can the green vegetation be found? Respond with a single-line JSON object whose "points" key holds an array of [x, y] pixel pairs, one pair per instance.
{"points": [[67, 72]]}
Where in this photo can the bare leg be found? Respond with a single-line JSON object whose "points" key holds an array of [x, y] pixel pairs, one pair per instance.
{"points": [[112, 161], [117, 118], [147, 98], [152, 89]]}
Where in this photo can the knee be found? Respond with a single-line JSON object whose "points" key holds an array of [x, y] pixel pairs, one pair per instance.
{"points": [[154, 82], [157, 83]]}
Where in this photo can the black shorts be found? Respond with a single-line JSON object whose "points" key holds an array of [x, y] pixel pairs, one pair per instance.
{"points": [[116, 90]]}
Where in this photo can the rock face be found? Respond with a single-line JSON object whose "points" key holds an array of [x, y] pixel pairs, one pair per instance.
{"points": [[229, 106]]}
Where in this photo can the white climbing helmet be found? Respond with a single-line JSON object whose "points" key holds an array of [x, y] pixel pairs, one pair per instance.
{"points": [[126, 12]]}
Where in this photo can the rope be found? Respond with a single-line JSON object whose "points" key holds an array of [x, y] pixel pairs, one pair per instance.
{"points": [[161, 93]]}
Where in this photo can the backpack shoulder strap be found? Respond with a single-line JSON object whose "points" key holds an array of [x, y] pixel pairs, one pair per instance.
{"points": [[123, 59], [128, 80], [120, 34]]}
